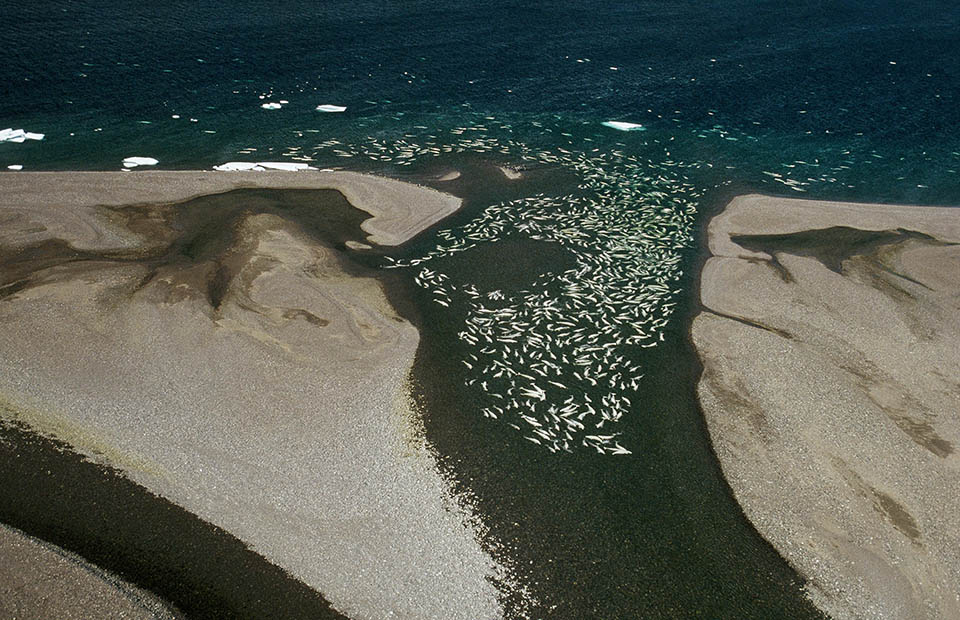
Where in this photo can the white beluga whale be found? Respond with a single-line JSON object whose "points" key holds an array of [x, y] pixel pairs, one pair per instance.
{"points": [[561, 357]]}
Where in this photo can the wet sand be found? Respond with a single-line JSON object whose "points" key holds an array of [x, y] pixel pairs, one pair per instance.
{"points": [[230, 359], [828, 338]]}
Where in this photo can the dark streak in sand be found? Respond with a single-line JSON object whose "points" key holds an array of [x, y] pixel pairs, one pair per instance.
{"points": [[831, 246], [204, 233]]}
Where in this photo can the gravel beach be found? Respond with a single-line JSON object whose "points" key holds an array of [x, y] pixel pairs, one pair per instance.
{"points": [[38, 580], [246, 370], [831, 390]]}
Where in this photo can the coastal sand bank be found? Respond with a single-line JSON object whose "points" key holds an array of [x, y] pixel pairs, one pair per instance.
{"points": [[38, 580], [831, 390], [246, 371]]}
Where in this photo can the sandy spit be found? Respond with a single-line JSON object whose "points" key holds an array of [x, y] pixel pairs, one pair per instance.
{"points": [[259, 384], [831, 389]]}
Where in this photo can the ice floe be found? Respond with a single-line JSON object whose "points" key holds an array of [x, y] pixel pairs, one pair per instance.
{"points": [[18, 135], [232, 166], [271, 106], [623, 126], [133, 162], [275, 165], [326, 107]]}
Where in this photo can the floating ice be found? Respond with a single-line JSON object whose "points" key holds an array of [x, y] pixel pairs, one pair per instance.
{"points": [[623, 126], [133, 162], [276, 165], [326, 107], [15, 167], [232, 166], [271, 106], [18, 135]]}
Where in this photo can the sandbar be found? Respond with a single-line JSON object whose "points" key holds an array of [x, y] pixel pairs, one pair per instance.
{"points": [[243, 369], [830, 386], [39, 580]]}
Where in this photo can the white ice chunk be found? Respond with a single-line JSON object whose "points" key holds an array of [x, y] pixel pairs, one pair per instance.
{"points": [[262, 165], [10, 134], [277, 165], [326, 107], [18, 135], [237, 165], [271, 106], [15, 167], [133, 162], [623, 126]]}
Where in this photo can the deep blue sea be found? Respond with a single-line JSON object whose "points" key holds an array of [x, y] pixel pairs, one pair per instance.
{"points": [[564, 294]]}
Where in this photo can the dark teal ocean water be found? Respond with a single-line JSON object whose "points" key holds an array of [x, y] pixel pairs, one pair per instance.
{"points": [[555, 373]]}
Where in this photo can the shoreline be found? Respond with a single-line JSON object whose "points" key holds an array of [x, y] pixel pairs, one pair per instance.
{"points": [[228, 359], [837, 431]]}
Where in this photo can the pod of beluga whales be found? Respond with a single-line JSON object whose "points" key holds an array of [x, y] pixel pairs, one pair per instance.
{"points": [[557, 360]]}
